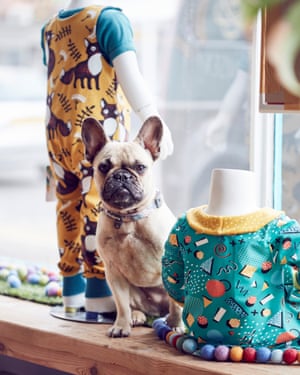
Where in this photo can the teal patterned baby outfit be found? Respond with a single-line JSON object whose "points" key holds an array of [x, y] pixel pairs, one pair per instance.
{"points": [[236, 277]]}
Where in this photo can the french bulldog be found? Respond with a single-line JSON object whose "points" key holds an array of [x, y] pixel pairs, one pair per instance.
{"points": [[133, 224]]}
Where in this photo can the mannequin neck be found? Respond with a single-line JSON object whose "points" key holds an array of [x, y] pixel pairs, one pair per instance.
{"points": [[232, 193], [74, 4]]}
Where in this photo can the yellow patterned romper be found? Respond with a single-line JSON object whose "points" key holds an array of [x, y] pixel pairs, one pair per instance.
{"points": [[81, 83]]}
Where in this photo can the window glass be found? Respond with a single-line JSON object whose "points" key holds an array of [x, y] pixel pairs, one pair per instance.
{"points": [[206, 99], [194, 56], [290, 165]]}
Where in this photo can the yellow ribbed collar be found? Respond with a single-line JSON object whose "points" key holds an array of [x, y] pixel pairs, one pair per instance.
{"points": [[229, 225]]}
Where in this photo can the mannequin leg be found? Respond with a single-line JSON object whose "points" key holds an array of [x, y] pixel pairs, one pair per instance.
{"points": [[98, 297], [69, 230], [84, 283]]}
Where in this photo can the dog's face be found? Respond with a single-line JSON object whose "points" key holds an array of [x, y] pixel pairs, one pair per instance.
{"points": [[123, 170]]}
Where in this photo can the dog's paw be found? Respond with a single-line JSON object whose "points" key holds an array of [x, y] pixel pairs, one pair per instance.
{"points": [[179, 329], [138, 318], [175, 323], [118, 331]]}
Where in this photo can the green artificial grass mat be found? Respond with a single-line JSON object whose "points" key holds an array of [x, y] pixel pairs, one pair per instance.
{"points": [[29, 292], [29, 282]]}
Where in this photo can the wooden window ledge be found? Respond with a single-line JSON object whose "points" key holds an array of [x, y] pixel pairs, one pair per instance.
{"points": [[28, 332]]}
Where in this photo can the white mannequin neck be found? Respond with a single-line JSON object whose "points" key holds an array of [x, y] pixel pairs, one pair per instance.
{"points": [[74, 4], [232, 193]]}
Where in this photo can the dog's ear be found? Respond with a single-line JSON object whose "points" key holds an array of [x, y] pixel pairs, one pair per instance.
{"points": [[93, 137], [150, 135]]}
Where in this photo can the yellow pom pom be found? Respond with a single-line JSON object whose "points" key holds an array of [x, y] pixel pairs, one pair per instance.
{"points": [[236, 354]]}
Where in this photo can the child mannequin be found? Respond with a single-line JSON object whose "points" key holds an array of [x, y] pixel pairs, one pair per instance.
{"points": [[234, 268], [91, 60]]}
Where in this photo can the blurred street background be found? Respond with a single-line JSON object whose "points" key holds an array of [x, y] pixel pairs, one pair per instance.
{"points": [[194, 56], [27, 221]]}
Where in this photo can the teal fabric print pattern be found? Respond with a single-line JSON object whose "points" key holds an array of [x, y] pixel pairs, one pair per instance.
{"points": [[237, 278]]}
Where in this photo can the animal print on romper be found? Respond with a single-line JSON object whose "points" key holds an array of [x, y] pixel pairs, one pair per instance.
{"points": [[81, 83]]}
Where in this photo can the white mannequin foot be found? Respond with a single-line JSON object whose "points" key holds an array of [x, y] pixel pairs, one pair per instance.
{"points": [[73, 303], [100, 305]]}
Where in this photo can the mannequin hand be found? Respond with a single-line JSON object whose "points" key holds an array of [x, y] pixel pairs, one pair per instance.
{"points": [[166, 146]]}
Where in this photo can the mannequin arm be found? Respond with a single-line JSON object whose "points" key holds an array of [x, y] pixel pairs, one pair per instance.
{"points": [[134, 85], [138, 94]]}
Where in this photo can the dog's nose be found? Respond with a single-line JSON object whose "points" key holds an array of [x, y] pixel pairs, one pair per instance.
{"points": [[122, 175]]}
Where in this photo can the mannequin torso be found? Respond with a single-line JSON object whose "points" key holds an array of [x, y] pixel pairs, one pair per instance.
{"points": [[224, 262]]}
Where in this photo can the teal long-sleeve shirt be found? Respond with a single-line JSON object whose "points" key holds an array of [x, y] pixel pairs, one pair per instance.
{"points": [[236, 277], [113, 30]]}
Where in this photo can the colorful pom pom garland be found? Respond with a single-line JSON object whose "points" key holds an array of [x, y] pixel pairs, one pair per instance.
{"points": [[188, 344]]}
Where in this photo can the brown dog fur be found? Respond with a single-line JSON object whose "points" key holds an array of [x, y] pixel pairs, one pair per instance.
{"points": [[131, 248]]}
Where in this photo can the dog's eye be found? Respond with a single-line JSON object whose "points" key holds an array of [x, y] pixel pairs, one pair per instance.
{"points": [[104, 167], [140, 168]]}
